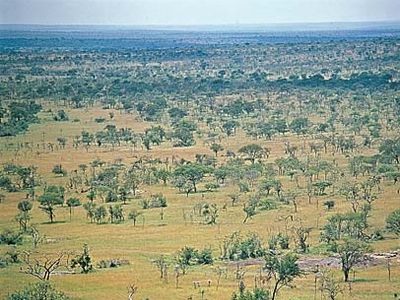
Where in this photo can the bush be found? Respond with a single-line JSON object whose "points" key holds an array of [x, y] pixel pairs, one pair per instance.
{"points": [[256, 294], [61, 116], [236, 247], [283, 241], [329, 204], [112, 263], [267, 204], [6, 184], [10, 257], [39, 291], [10, 237], [393, 222], [156, 201], [100, 120], [3, 262], [204, 257], [83, 260], [210, 187], [58, 170]]}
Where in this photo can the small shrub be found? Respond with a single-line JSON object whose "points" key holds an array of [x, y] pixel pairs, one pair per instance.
{"points": [[210, 187], [100, 120], [145, 203], [10, 237], [83, 260], [393, 222], [58, 170], [267, 204], [377, 235], [61, 116], [329, 204], [40, 291], [3, 262], [112, 263], [156, 201], [283, 241], [204, 257]]}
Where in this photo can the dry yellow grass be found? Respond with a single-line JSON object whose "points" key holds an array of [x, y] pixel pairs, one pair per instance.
{"points": [[141, 244]]}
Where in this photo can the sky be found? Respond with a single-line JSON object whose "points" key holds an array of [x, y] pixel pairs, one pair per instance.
{"points": [[195, 12]]}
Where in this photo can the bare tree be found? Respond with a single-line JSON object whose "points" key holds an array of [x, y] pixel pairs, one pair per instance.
{"points": [[330, 286], [132, 289], [44, 266]]}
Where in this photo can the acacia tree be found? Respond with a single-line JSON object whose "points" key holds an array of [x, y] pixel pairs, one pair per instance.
{"points": [[216, 148], [192, 173], [283, 268], [71, 203], [350, 252], [249, 210], [48, 201], [133, 215], [252, 151], [23, 217], [391, 149]]}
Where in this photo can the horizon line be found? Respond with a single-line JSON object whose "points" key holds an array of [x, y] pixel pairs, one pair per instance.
{"points": [[209, 24]]}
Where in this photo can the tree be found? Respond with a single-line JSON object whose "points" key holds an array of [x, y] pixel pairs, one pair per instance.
{"points": [[299, 125], [252, 151], [44, 266], [91, 195], [321, 185], [23, 217], [393, 222], [250, 211], [116, 213], [163, 175], [84, 261], [59, 170], [38, 291], [210, 213], [350, 252], [133, 215], [268, 184], [192, 173], [122, 194], [229, 127], [283, 268], [48, 201], [185, 258], [216, 148], [329, 285], [391, 149], [302, 234], [340, 226], [183, 134], [100, 214], [256, 294], [90, 208], [71, 203], [162, 265], [62, 141]]}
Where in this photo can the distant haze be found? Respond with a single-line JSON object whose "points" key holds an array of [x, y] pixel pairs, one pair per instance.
{"points": [[195, 12]]}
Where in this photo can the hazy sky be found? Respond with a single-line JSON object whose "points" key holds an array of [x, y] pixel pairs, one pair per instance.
{"points": [[195, 12]]}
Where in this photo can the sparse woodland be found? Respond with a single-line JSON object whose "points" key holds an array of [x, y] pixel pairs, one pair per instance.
{"points": [[225, 171]]}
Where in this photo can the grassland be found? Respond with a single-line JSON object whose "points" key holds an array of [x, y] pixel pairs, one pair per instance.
{"points": [[141, 244]]}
